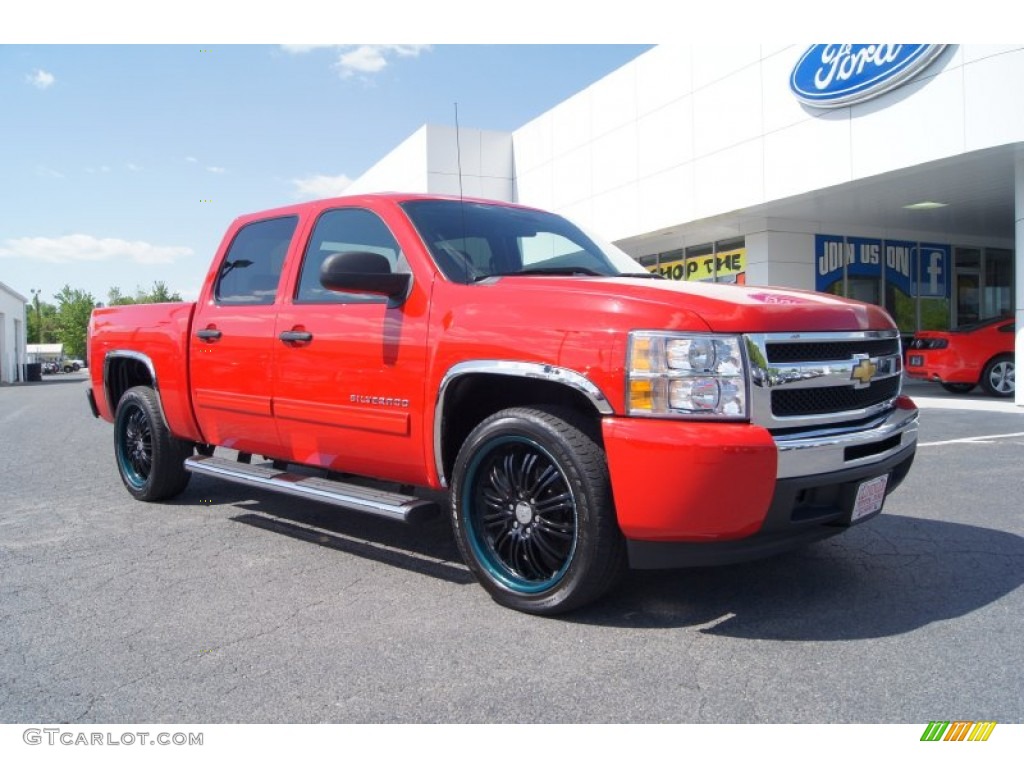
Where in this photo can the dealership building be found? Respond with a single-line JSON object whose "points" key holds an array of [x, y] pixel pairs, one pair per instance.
{"points": [[889, 173]]}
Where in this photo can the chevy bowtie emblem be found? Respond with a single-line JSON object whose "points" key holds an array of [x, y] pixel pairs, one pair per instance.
{"points": [[863, 372]]}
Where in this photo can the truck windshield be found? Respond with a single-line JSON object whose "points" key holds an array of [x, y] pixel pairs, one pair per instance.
{"points": [[472, 241]]}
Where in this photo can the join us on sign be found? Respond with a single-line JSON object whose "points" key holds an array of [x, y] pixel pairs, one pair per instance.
{"points": [[897, 257], [917, 269]]}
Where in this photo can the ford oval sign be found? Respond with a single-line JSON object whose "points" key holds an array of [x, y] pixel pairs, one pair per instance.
{"points": [[840, 74]]}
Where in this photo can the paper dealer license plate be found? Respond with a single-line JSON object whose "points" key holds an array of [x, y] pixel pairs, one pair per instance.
{"points": [[870, 497], [916, 360]]}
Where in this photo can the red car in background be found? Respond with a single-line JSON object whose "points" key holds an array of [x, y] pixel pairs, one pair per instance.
{"points": [[979, 353]]}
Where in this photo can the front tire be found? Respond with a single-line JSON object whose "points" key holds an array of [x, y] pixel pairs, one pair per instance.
{"points": [[999, 377], [149, 459], [532, 511]]}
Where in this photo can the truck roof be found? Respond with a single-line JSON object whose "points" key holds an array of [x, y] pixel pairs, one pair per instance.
{"points": [[369, 198]]}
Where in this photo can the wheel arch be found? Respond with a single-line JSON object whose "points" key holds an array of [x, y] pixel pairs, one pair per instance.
{"points": [[472, 391], [124, 369]]}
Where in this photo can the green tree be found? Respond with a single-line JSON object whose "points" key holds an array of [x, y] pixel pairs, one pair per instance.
{"points": [[73, 310], [158, 293], [42, 322], [162, 293], [115, 298]]}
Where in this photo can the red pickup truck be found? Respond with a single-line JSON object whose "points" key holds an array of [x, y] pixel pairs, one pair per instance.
{"points": [[582, 413]]}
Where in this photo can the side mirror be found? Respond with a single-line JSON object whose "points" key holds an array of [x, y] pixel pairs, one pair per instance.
{"points": [[364, 272]]}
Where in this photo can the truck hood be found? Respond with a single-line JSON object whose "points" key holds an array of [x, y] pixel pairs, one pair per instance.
{"points": [[723, 308]]}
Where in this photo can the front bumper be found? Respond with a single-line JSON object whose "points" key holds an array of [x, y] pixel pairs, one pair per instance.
{"points": [[802, 510], [698, 494]]}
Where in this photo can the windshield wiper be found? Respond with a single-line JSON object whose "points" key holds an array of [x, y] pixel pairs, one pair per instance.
{"points": [[547, 271], [644, 275]]}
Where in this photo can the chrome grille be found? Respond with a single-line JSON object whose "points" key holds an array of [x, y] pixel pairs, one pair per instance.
{"points": [[780, 352], [802, 402], [814, 379]]}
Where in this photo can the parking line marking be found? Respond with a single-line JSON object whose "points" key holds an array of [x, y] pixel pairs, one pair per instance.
{"points": [[978, 439]]}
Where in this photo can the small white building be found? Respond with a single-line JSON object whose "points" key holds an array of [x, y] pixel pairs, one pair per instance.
{"points": [[45, 353], [12, 335]]}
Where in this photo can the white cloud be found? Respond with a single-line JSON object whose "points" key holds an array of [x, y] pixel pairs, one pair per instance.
{"points": [[86, 248], [48, 173], [133, 167], [370, 59], [315, 187], [191, 159], [363, 60], [41, 79], [215, 169]]}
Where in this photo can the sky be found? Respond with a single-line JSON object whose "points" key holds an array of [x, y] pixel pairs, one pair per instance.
{"points": [[121, 165]]}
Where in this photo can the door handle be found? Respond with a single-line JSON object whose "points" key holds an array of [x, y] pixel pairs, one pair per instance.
{"points": [[208, 334], [294, 337]]}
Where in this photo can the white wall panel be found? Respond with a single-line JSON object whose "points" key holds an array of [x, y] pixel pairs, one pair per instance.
{"points": [[968, 54], [536, 187], [531, 144], [666, 199], [496, 154], [780, 258], [729, 180], [779, 107], [445, 152], [582, 212], [665, 137], [616, 213], [614, 101], [448, 184], [915, 123], [806, 156], [663, 75], [496, 188], [403, 169], [712, 63], [571, 124], [771, 49], [994, 101], [485, 157], [572, 176], [615, 159], [727, 112]]}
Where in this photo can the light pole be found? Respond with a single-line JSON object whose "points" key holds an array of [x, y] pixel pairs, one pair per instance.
{"points": [[39, 315]]}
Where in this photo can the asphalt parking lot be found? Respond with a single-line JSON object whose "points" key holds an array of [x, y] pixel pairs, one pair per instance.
{"points": [[231, 605]]}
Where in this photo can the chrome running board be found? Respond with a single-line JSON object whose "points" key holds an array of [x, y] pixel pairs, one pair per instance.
{"points": [[395, 506]]}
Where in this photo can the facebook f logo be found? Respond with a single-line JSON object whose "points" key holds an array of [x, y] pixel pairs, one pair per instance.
{"points": [[934, 270], [932, 274]]}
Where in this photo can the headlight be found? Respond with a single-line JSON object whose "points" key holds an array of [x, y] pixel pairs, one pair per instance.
{"points": [[686, 375]]}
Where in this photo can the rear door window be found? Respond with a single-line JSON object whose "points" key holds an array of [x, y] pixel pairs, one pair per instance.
{"points": [[252, 266]]}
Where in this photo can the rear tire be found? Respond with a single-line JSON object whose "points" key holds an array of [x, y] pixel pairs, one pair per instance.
{"points": [[532, 511], [999, 377], [149, 459]]}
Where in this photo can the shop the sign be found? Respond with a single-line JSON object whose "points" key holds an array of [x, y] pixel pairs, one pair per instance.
{"points": [[840, 74], [917, 269], [723, 267]]}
